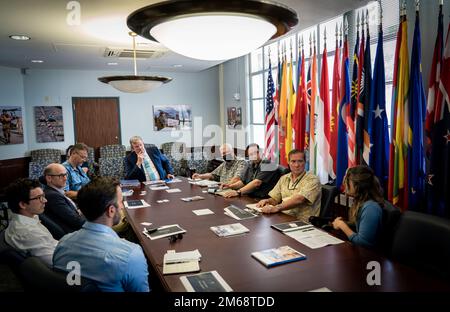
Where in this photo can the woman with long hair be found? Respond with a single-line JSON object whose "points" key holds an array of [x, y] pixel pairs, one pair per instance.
{"points": [[366, 212]]}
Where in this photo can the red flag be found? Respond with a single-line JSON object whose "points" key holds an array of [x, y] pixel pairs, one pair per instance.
{"points": [[300, 108], [335, 100]]}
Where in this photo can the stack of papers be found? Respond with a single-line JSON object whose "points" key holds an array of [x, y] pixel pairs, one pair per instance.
{"points": [[174, 180], [135, 203], [291, 226], [204, 182], [159, 188], [194, 198], [229, 229], [181, 262], [238, 213], [314, 238], [129, 183], [175, 190], [154, 182]]}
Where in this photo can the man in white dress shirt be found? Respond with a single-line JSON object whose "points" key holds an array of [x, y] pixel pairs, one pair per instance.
{"points": [[26, 200]]}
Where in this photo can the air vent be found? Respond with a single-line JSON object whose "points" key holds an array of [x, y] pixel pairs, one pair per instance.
{"points": [[128, 53]]}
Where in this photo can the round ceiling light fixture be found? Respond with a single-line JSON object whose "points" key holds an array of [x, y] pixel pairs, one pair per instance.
{"points": [[213, 30], [134, 83]]}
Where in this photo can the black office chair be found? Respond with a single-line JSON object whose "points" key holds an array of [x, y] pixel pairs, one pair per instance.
{"points": [[36, 276], [422, 241], [55, 229], [329, 193], [391, 215], [9, 255]]}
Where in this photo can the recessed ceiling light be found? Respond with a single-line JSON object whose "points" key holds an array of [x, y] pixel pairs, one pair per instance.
{"points": [[37, 61], [113, 63], [177, 65], [19, 37]]}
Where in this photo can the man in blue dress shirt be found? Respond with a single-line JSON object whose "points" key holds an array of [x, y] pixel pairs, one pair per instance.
{"points": [[76, 176], [112, 263]]}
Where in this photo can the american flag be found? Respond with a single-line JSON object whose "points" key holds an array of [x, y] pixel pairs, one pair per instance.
{"points": [[270, 118]]}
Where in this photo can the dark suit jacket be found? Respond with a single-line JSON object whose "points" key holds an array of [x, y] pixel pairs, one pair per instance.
{"points": [[160, 161], [61, 211]]}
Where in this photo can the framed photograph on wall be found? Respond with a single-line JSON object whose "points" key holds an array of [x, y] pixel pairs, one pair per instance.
{"points": [[177, 117], [11, 131], [48, 121], [234, 117]]}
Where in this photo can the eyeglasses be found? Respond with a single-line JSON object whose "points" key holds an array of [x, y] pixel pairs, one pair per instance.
{"points": [[84, 157], [61, 175], [40, 197]]}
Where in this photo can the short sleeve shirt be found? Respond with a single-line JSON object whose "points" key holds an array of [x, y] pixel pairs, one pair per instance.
{"points": [[228, 170], [76, 177], [306, 185], [266, 172]]}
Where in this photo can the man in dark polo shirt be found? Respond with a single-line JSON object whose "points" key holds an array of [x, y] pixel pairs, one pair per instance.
{"points": [[256, 179]]}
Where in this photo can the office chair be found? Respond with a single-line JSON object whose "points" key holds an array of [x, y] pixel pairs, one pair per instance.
{"points": [[422, 241], [329, 193], [391, 215], [36, 276]]}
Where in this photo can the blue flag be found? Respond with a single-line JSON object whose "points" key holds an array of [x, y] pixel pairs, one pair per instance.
{"points": [[416, 107], [342, 151], [378, 125]]}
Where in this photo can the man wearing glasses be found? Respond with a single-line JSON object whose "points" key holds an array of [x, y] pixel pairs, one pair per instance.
{"points": [[297, 193], [26, 200], [114, 264], [76, 177], [60, 208]]}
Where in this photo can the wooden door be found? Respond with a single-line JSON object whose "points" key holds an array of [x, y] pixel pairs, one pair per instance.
{"points": [[97, 121]]}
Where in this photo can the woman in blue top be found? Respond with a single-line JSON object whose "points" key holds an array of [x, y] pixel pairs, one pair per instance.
{"points": [[366, 213]]}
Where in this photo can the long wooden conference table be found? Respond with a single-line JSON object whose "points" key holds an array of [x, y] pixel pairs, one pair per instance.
{"points": [[340, 268]]}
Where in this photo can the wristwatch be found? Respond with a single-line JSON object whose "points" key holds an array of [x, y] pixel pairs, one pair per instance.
{"points": [[239, 192]]}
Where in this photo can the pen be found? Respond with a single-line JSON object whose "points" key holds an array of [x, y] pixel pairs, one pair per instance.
{"points": [[310, 229], [152, 230]]}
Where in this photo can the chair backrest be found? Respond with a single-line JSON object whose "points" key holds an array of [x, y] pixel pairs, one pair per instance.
{"points": [[36, 276], [329, 192], [112, 151], [9, 255], [54, 228], [46, 155], [391, 215], [112, 167], [36, 169], [422, 241]]}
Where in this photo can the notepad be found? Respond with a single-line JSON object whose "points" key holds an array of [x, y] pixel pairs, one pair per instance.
{"points": [[163, 231], [181, 262], [238, 213], [175, 190], [291, 226], [203, 212]]}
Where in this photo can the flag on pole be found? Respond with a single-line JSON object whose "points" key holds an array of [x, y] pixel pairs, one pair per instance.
{"points": [[365, 98], [359, 123], [308, 114], [436, 128], [324, 160], [438, 178], [399, 109], [417, 108], [353, 106], [300, 106], [290, 109], [282, 114], [342, 152], [335, 99], [270, 118], [378, 125], [313, 116]]}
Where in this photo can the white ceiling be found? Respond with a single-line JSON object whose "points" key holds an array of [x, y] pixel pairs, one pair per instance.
{"points": [[61, 46]]}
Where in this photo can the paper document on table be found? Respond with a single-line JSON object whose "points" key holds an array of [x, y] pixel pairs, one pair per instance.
{"points": [[181, 262], [175, 190], [135, 203], [174, 180], [159, 188], [253, 207], [203, 212], [204, 183], [314, 238]]}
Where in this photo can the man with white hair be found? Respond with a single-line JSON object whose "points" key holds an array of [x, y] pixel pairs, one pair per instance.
{"points": [[228, 171]]}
